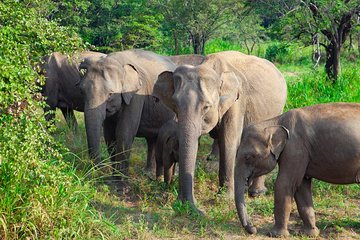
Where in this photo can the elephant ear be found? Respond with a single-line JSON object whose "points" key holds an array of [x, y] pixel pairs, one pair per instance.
{"points": [[127, 85], [164, 89], [229, 91], [277, 140], [132, 82]]}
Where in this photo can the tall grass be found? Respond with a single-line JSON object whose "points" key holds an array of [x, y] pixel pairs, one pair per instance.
{"points": [[314, 87]]}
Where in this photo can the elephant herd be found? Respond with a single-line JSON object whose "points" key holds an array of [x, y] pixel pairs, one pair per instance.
{"points": [[237, 98]]}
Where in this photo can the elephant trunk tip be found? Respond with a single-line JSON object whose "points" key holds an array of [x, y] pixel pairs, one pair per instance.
{"points": [[250, 229]]}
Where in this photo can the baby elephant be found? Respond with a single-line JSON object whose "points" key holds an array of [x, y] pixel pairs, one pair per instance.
{"points": [[167, 150], [320, 141]]}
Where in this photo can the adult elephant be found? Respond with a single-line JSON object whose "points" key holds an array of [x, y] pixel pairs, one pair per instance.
{"points": [[226, 92], [194, 60], [60, 89], [118, 95]]}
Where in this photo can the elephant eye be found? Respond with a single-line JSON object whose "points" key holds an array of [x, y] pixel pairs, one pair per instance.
{"points": [[206, 108]]}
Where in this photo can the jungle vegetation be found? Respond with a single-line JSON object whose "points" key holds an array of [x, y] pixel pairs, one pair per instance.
{"points": [[49, 188]]}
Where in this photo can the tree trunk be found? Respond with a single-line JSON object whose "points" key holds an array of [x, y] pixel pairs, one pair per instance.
{"points": [[198, 42], [332, 65]]}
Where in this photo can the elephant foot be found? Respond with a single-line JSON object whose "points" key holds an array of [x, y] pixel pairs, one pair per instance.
{"points": [[257, 192], [150, 174], [188, 207], [279, 232], [250, 229], [226, 192], [310, 231], [150, 170]]}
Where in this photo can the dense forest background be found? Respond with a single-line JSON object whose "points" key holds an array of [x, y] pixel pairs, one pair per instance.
{"points": [[48, 188]]}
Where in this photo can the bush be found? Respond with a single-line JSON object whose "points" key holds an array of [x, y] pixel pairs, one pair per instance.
{"points": [[277, 52], [40, 196]]}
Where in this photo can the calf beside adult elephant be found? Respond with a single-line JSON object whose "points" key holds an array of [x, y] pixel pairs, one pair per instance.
{"points": [[320, 141], [226, 92], [60, 89], [167, 154]]}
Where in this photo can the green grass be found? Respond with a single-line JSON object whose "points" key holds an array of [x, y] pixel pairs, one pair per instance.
{"points": [[148, 209]]}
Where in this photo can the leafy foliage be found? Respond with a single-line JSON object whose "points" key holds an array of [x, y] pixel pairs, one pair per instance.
{"points": [[112, 25], [39, 195], [201, 20]]}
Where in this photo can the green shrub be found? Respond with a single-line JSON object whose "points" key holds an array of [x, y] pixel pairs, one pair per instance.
{"points": [[40, 196], [277, 52]]}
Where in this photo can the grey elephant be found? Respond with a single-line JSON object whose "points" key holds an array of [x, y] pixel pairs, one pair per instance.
{"points": [[118, 95], [228, 91], [167, 151], [194, 60], [60, 89], [320, 141]]}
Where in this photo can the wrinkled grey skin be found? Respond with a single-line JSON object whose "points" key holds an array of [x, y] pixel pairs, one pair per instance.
{"points": [[320, 141], [117, 90], [227, 91], [167, 151], [194, 60], [60, 87]]}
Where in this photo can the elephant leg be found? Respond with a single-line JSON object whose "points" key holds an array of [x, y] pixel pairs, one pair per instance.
{"points": [[159, 160], [215, 152], [127, 126], [229, 140], [283, 198], [151, 161], [169, 167], [110, 136], [305, 206], [70, 118]]}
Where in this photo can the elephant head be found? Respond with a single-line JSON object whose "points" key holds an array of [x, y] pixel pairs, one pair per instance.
{"points": [[257, 155], [199, 96], [106, 84]]}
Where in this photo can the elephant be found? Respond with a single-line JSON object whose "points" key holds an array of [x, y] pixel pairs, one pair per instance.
{"points": [[118, 95], [196, 59], [226, 92], [60, 90], [167, 151], [320, 141]]}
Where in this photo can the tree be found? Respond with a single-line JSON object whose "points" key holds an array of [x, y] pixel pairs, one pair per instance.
{"points": [[332, 19], [200, 19], [248, 31]]}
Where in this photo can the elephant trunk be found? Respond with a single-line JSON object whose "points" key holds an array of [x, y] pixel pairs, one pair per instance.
{"points": [[94, 119], [188, 147], [240, 183]]}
